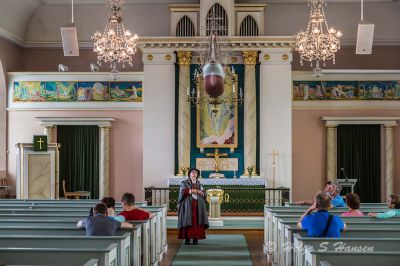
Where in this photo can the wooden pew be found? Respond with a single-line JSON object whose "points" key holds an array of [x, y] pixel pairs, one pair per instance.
{"points": [[353, 230], [340, 244], [44, 230], [123, 243], [58, 256]]}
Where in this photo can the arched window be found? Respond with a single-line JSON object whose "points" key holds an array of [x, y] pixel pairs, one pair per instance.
{"points": [[217, 11], [249, 27], [185, 27]]}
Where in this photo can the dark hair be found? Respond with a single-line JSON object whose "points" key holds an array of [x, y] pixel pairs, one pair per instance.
{"points": [[109, 202], [128, 198], [100, 208], [353, 201], [323, 200], [395, 200], [329, 183], [194, 169]]}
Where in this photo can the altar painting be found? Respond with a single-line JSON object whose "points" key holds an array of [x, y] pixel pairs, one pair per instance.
{"points": [[29, 91], [218, 130], [61, 91], [126, 91], [308, 90]]}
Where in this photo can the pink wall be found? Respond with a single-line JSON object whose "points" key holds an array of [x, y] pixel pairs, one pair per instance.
{"points": [[126, 144], [47, 60], [309, 149], [10, 56]]}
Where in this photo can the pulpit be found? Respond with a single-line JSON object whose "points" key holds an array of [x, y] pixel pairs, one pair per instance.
{"points": [[37, 172]]}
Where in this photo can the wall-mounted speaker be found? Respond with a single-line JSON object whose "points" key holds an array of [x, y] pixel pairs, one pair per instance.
{"points": [[70, 40], [365, 38]]}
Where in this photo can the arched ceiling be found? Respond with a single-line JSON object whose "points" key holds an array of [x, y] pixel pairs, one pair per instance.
{"points": [[36, 23]]}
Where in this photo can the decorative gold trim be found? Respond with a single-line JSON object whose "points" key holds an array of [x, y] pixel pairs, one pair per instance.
{"points": [[168, 57], [233, 59], [184, 58], [285, 57], [267, 57], [150, 57], [199, 60], [250, 57]]}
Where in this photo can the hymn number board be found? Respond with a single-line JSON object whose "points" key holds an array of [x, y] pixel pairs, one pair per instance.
{"points": [[39, 143]]}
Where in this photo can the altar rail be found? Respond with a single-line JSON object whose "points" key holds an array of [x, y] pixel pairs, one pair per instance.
{"points": [[249, 200]]}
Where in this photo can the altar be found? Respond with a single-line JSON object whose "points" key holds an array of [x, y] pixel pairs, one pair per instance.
{"points": [[240, 194]]}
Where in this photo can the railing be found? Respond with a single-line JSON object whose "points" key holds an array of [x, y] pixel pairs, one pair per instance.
{"points": [[235, 199]]}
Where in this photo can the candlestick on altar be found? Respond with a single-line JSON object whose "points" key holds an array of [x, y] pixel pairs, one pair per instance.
{"points": [[234, 173], [273, 154], [200, 174]]}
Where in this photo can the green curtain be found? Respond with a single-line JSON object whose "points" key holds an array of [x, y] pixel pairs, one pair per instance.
{"points": [[359, 154], [79, 158]]}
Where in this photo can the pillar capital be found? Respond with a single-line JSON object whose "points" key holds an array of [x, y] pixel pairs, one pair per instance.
{"points": [[250, 57], [184, 58]]}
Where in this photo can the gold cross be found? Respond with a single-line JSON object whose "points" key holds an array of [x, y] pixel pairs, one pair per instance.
{"points": [[216, 156], [40, 141]]}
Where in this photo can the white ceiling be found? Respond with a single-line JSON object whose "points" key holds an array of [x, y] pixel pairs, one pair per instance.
{"points": [[37, 22]]}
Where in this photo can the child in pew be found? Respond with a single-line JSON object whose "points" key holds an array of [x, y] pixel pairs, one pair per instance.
{"points": [[110, 203], [394, 204], [353, 202], [131, 212], [100, 224], [321, 223]]}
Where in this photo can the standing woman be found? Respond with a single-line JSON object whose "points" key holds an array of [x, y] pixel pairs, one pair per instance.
{"points": [[192, 213]]}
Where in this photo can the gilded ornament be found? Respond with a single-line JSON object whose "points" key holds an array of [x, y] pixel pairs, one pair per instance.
{"points": [[250, 57], [168, 57], [267, 57], [233, 59], [285, 57], [184, 57], [150, 57]]}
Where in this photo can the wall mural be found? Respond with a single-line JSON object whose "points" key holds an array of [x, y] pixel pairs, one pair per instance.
{"points": [[72, 91], [345, 90]]}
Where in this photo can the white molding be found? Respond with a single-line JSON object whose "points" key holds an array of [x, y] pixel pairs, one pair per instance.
{"points": [[348, 74], [331, 121], [96, 121], [346, 105]]}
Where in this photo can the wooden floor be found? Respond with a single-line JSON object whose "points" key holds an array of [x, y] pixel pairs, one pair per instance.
{"points": [[254, 238]]}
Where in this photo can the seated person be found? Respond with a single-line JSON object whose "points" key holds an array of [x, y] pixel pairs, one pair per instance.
{"points": [[310, 202], [110, 203], [321, 223], [100, 224], [131, 212], [394, 204], [353, 202], [337, 200]]}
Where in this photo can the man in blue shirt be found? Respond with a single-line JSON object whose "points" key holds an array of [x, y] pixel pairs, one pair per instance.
{"points": [[100, 224], [321, 223], [337, 200]]}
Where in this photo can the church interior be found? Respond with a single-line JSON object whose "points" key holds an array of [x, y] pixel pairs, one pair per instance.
{"points": [[250, 132]]}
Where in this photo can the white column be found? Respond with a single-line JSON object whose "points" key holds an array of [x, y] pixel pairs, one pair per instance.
{"points": [[48, 131], [250, 110], [104, 177], [3, 123], [276, 115], [331, 152], [158, 117], [389, 159], [184, 60]]}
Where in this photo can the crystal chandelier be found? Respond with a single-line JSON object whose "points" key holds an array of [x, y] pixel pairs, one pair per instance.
{"points": [[116, 44], [212, 74], [318, 42]]}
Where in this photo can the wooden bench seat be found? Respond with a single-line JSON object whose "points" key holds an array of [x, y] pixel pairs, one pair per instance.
{"points": [[340, 245], [123, 242], [58, 256]]}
